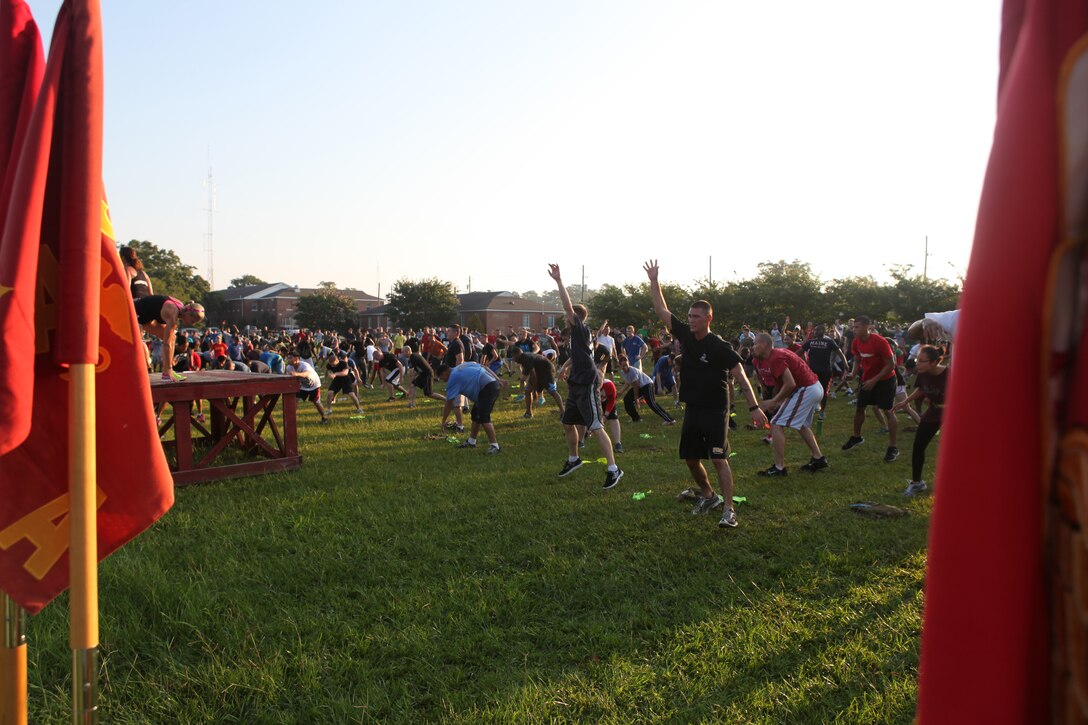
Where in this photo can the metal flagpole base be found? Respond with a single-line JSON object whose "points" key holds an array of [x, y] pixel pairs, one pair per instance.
{"points": [[13, 664], [85, 686]]}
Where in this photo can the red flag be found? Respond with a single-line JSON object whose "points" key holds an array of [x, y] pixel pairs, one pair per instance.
{"points": [[58, 206], [988, 629], [21, 67]]}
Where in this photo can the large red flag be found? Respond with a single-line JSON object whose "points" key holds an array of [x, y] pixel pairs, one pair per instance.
{"points": [[57, 205], [989, 623], [21, 67]]}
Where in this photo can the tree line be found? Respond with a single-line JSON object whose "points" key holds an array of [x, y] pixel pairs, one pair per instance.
{"points": [[779, 289]]}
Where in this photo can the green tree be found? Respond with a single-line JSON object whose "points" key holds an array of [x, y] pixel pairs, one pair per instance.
{"points": [[326, 309], [424, 302], [169, 275], [246, 280]]}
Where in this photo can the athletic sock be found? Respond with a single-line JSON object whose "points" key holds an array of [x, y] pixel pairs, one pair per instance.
{"points": [[472, 441], [613, 467], [572, 459]]}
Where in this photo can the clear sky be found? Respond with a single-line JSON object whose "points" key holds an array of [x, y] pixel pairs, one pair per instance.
{"points": [[362, 142]]}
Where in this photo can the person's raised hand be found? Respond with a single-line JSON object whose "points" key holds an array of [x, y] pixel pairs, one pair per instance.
{"points": [[651, 269], [553, 272]]}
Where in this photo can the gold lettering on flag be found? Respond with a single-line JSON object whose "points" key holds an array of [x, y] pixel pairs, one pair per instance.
{"points": [[116, 310], [107, 222], [45, 308], [46, 527]]}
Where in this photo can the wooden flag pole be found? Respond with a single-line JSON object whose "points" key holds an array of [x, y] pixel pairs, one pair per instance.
{"points": [[83, 553], [13, 663]]}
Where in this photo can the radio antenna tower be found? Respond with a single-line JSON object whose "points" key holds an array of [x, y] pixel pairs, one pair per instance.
{"points": [[209, 186]]}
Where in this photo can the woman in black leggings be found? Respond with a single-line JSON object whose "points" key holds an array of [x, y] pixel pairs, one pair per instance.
{"points": [[931, 384]]}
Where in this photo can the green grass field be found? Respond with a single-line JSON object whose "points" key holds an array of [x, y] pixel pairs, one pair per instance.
{"points": [[398, 579]]}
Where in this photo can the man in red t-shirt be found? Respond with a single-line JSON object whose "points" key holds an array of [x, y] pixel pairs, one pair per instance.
{"points": [[797, 396], [873, 355]]}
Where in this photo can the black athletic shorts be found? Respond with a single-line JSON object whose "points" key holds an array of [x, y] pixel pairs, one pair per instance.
{"points": [[825, 381], [425, 382], [314, 394], [481, 410], [583, 406], [342, 384], [702, 434], [882, 395]]}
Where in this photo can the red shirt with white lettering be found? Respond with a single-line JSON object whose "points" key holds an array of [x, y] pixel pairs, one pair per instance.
{"points": [[873, 354], [770, 369]]}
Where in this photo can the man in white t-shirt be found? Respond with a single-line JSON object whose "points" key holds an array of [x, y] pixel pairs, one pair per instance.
{"points": [[310, 384]]}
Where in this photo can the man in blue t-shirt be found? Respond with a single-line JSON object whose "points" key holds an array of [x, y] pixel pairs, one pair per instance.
{"points": [[482, 387], [635, 347]]}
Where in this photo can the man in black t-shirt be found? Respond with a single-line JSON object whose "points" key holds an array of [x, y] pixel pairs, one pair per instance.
{"points": [[539, 378], [821, 351], [705, 366], [341, 380], [583, 406]]}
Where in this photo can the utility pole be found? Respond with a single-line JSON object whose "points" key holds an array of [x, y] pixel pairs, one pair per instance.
{"points": [[209, 185], [925, 262], [583, 298]]}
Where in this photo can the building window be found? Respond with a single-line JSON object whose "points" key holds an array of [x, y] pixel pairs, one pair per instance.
{"points": [[255, 307], [525, 320], [551, 320]]}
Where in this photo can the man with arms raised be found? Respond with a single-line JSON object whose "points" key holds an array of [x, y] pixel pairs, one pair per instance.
{"points": [[583, 406], [705, 366]]}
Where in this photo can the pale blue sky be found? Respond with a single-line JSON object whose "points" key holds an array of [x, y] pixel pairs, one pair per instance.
{"points": [[362, 142]]}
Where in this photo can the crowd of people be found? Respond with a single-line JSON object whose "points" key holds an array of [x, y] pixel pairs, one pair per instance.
{"points": [[783, 374]]}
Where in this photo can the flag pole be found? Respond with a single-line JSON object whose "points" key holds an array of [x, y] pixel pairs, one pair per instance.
{"points": [[13, 663], [83, 573]]}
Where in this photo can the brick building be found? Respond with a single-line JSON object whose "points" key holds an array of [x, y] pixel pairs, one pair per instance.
{"points": [[503, 310], [274, 304]]}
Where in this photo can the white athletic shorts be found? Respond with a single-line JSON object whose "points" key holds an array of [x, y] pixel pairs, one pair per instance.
{"points": [[797, 411]]}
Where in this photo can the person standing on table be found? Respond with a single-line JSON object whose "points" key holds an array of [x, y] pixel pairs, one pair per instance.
{"points": [[705, 365], [139, 284], [160, 315], [583, 406]]}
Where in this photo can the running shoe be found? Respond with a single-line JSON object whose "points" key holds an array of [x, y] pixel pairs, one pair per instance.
{"points": [[914, 488], [466, 444], [773, 471], [618, 448], [688, 494], [815, 464], [821, 416], [728, 520], [611, 478], [527, 415], [706, 505], [854, 442], [891, 455], [459, 428], [493, 449], [199, 417], [519, 398], [570, 467], [171, 376]]}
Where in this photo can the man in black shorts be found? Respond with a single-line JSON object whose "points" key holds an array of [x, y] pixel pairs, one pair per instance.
{"points": [[705, 366], [539, 378], [421, 375], [343, 380], [583, 406], [821, 351], [874, 359]]}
